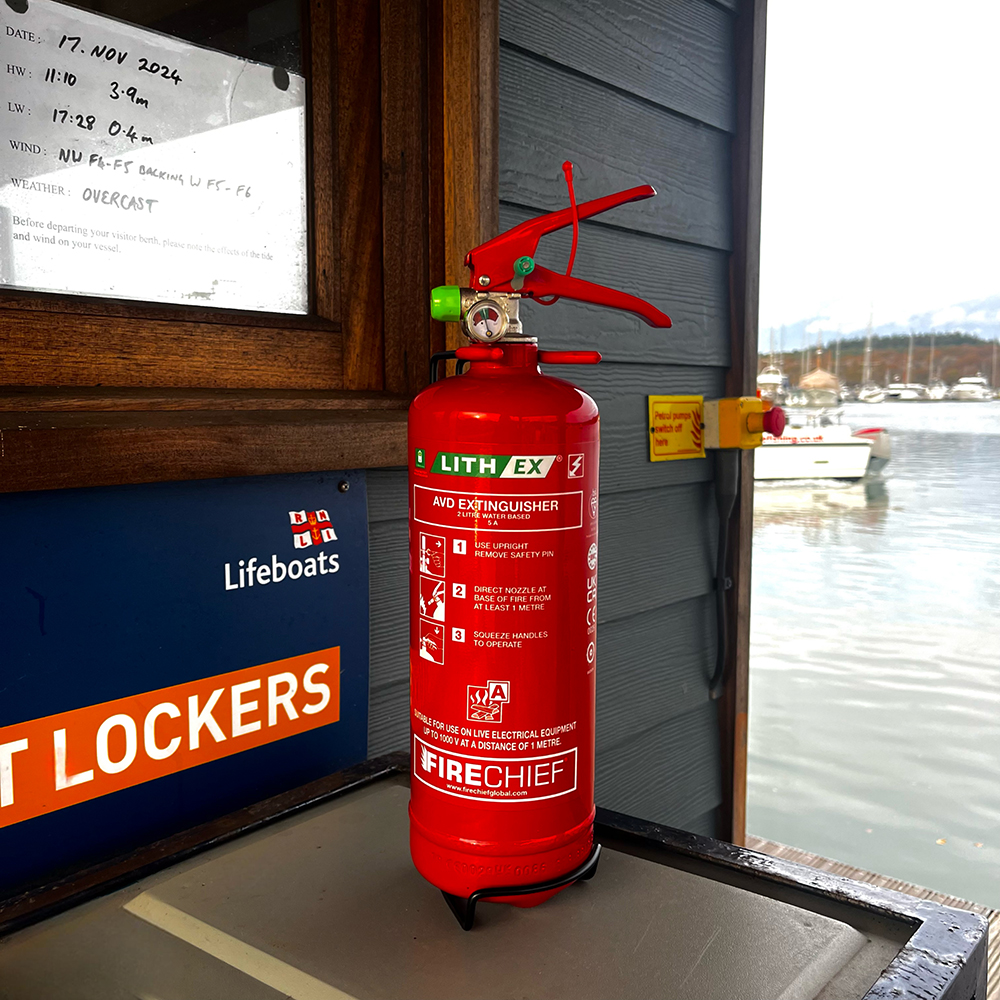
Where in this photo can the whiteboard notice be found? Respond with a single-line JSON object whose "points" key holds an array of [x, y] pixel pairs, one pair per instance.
{"points": [[138, 166]]}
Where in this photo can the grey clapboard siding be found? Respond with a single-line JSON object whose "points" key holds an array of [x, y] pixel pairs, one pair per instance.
{"points": [[389, 718], [690, 284], [635, 91], [388, 678], [656, 548], [676, 53], [707, 824], [621, 393], [670, 773], [389, 581], [387, 495], [548, 115], [652, 667]]}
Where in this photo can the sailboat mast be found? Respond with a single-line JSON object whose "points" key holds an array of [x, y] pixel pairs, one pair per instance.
{"points": [[866, 376], [909, 359], [930, 366]]}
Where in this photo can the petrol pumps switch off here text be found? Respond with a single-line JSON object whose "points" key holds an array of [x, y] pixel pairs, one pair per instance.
{"points": [[58, 761]]}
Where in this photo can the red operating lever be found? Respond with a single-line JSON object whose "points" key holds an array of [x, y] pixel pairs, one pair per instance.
{"points": [[493, 264]]}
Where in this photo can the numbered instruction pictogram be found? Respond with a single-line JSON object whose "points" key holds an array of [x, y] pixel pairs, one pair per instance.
{"points": [[432, 598], [432, 549], [431, 641]]}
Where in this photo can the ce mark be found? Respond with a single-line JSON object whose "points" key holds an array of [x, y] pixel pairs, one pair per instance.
{"points": [[591, 616]]}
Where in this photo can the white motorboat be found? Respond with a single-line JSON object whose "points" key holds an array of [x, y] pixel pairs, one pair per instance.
{"points": [[773, 384], [971, 389], [937, 390], [881, 448], [800, 399], [817, 446], [871, 393], [906, 391]]}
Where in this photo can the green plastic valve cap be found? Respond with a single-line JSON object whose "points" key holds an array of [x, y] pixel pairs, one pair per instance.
{"points": [[446, 303], [523, 266]]}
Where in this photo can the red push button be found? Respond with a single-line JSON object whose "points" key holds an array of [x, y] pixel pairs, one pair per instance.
{"points": [[774, 421]]}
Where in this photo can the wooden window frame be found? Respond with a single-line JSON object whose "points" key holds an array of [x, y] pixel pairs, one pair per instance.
{"points": [[402, 181]]}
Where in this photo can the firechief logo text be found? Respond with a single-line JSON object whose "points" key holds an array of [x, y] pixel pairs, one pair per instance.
{"points": [[499, 779], [58, 761]]}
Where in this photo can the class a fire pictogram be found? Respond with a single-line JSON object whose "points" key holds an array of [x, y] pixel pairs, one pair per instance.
{"points": [[486, 702]]}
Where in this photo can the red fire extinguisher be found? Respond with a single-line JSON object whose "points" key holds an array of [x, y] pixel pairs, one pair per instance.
{"points": [[503, 587]]}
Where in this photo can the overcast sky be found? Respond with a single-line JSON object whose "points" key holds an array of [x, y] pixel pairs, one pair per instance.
{"points": [[881, 159]]}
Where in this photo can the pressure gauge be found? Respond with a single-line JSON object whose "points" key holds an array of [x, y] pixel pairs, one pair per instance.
{"points": [[486, 321]]}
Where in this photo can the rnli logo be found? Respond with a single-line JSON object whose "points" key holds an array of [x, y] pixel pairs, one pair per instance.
{"points": [[311, 527]]}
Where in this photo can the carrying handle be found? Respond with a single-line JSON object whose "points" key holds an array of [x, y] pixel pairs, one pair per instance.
{"points": [[505, 264]]}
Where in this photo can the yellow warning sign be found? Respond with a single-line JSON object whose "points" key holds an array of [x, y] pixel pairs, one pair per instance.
{"points": [[675, 428]]}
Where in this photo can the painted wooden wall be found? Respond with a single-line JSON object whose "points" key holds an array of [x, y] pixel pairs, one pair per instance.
{"points": [[632, 91]]}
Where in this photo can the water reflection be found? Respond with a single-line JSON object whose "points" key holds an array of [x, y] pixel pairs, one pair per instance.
{"points": [[822, 509], [875, 656]]}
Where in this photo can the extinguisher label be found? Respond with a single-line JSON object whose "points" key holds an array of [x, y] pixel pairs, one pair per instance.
{"points": [[503, 779], [498, 511], [452, 463]]}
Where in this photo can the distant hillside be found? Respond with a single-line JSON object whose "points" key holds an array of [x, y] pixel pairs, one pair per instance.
{"points": [[979, 318], [955, 355]]}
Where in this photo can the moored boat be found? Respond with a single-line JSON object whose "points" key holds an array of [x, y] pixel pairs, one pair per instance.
{"points": [[906, 391], [971, 389], [817, 446], [871, 393], [881, 448], [772, 384]]}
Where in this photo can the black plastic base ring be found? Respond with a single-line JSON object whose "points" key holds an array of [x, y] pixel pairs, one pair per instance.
{"points": [[464, 907]]}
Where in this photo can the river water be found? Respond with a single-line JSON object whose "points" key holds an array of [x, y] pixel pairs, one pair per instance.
{"points": [[875, 656]]}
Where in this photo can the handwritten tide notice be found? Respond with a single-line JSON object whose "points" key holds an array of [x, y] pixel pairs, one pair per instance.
{"points": [[138, 166]]}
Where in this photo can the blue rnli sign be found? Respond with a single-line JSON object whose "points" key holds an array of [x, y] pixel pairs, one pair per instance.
{"points": [[172, 652]]}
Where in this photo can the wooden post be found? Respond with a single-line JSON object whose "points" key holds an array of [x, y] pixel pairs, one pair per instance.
{"points": [[406, 221], [744, 281], [359, 135], [468, 74]]}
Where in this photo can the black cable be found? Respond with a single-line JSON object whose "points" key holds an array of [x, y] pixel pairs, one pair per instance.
{"points": [[727, 488]]}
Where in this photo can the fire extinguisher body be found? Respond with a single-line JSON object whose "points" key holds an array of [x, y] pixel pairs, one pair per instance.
{"points": [[503, 589]]}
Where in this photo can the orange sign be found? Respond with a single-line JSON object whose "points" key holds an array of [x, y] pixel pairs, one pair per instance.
{"points": [[48, 764], [676, 428]]}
